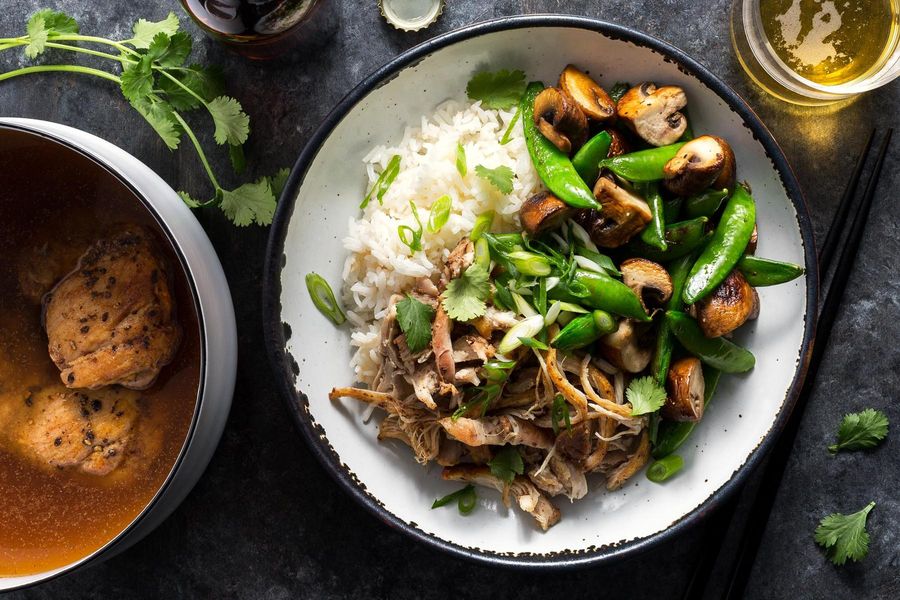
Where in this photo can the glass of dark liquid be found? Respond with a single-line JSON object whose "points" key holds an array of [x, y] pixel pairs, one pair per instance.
{"points": [[264, 29]]}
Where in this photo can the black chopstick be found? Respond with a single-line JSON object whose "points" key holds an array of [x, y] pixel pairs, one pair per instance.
{"points": [[761, 506]]}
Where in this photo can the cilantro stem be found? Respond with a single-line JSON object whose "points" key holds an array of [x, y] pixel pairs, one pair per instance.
{"points": [[184, 87], [118, 59], [57, 68], [200, 153], [121, 47]]}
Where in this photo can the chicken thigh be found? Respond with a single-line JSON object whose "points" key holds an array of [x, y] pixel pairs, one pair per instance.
{"points": [[111, 320]]}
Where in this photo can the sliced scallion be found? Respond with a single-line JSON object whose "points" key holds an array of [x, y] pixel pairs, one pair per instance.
{"points": [[482, 224], [461, 165], [507, 135], [465, 500], [440, 212], [384, 181], [664, 468], [526, 328], [529, 263], [322, 296]]}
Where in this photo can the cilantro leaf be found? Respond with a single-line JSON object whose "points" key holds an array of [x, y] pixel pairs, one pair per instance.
{"points": [[187, 199], [415, 321], [206, 82], [861, 431], [464, 299], [137, 79], [502, 89], [645, 396], [170, 51], [278, 181], [506, 464], [159, 116], [845, 536], [250, 203], [43, 25], [232, 124], [145, 31], [501, 177]]}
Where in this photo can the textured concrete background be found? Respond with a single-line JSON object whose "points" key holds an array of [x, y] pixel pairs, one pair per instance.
{"points": [[265, 521]]}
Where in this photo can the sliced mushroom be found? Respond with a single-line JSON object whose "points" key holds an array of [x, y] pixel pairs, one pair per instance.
{"points": [[730, 305], [652, 113], [621, 216], [559, 118], [686, 388], [754, 240], [624, 349], [543, 211], [649, 281], [618, 144], [706, 161], [587, 93]]}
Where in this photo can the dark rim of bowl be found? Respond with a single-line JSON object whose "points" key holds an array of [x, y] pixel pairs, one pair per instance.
{"points": [[298, 404], [101, 553]]}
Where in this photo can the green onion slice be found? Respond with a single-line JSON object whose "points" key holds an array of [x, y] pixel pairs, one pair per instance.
{"points": [[322, 296], [465, 500], [664, 468], [507, 135], [440, 212], [461, 166], [482, 224], [384, 181]]}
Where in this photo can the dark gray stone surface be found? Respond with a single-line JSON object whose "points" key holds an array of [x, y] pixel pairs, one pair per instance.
{"points": [[266, 521]]}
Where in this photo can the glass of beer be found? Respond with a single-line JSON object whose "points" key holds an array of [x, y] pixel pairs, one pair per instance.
{"points": [[817, 51]]}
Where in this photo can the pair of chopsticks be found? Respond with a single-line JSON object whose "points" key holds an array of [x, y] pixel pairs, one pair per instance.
{"points": [[761, 505]]}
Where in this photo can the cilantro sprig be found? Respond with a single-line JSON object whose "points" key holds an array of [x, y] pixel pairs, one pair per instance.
{"points": [[645, 395], [861, 431], [465, 297], [845, 536], [500, 177], [156, 79], [415, 321], [506, 464], [501, 89]]}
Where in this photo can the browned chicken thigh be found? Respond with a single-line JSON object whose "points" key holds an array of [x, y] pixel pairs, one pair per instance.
{"points": [[111, 320]]}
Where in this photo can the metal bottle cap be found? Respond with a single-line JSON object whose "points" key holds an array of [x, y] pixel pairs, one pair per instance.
{"points": [[411, 15]]}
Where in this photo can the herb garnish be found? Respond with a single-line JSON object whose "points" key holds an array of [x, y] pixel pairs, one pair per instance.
{"points": [[464, 299], [415, 320], [502, 89], [507, 135], [845, 536], [159, 84], [506, 464], [384, 181], [645, 396], [530, 342], [500, 177], [461, 165], [409, 236], [323, 298], [465, 500], [440, 212], [861, 431], [559, 413]]}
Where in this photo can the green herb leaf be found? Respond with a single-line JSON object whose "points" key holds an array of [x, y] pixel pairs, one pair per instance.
{"points": [[533, 343], [464, 299], [415, 321], [506, 464], [145, 31], [861, 431], [440, 213], [845, 536], [278, 181], [191, 202], [159, 116], [461, 165], [206, 82], [645, 396], [559, 413], [43, 25], [170, 51], [137, 79], [322, 296], [409, 236], [500, 177], [384, 181], [465, 500], [232, 124], [618, 90], [502, 89], [249, 203]]}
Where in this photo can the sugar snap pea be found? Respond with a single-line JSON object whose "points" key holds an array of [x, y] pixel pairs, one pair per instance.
{"points": [[587, 160], [665, 342], [600, 291], [643, 165], [681, 239], [655, 232], [584, 330], [672, 208], [552, 165], [672, 434], [715, 352], [761, 272], [705, 204], [724, 249]]}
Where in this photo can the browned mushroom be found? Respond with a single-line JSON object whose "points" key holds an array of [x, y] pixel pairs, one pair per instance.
{"points": [[543, 211], [621, 216], [730, 305], [652, 113], [624, 349], [754, 240], [686, 388], [706, 161], [649, 281], [587, 93], [558, 117], [618, 145]]}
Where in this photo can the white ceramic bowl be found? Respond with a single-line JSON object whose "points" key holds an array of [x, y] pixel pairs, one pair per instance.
{"points": [[324, 192], [215, 314]]}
